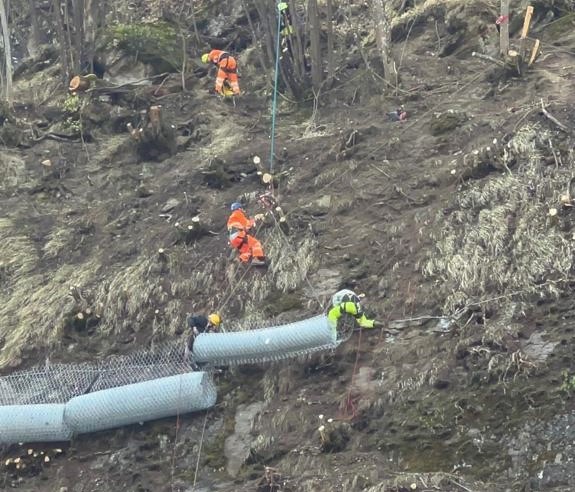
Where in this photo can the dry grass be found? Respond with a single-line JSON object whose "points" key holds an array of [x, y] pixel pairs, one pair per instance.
{"points": [[12, 171], [423, 481], [292, 263], [34, 307], [226, 137], [129, 296], [332, 173], [428, 7], [58, 242], [499, 239]]}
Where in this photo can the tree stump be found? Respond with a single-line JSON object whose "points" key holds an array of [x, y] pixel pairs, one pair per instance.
{"points": [[80, 83], [155, 139]]}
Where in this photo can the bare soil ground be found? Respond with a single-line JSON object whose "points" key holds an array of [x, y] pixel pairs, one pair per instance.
{"points": [[445, 214]]}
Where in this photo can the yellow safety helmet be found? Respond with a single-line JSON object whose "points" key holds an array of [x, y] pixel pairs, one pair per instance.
{"points": [[205, 58], [214, 319]]}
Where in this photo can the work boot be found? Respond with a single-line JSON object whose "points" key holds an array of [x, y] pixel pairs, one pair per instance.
{"points": [[259, 261]]}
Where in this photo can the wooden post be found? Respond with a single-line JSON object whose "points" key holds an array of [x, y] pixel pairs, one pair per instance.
{"points": [[525, 30], [154, 118], [534, 52], [527, 22]]}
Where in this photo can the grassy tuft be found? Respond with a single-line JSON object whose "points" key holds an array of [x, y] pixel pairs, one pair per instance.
{"points": [[499, 239]]}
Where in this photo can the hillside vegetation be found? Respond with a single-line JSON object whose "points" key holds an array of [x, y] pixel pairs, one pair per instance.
{"points": [[457, 223]]}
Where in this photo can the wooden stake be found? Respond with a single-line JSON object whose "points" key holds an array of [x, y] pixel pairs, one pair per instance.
{"points": [[534, 52], [525, 30], [527, 22]]}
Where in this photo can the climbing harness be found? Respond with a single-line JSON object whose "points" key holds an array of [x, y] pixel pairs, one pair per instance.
{"points": [[267, 200]]}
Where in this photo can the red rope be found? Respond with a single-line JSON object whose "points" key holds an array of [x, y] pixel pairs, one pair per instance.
{"points": [[350, 408]]}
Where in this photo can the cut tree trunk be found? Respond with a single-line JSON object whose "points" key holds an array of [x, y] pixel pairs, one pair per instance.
{"points": [[383, 40], [79, 83], [61, 36], [155, 139], [315, 46], [330, 44], [7, 54], [504, 28]]}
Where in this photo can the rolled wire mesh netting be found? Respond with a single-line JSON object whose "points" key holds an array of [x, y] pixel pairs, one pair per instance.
{"points": [[33, 423], [140, 402], [53, 401], [58, 383], [265, 344]]}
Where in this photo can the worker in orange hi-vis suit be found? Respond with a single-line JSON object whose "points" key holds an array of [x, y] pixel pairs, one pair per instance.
{"points": [[239, 225], [227, 69]]}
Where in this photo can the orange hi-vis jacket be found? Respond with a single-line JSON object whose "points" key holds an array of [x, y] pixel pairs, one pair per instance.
{"points": [[239, 221], [227, 69], [238, 226], [223, 60]]}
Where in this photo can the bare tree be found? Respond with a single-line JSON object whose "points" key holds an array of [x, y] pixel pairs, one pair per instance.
{"points": [[93, 19], [315, 46], [78, 16], [330, 43], [8, 95], [255, 39], [298, 42], [35, 35], [62, 41], [76, 23], [504, 28], [383, 40], [291, 53]]}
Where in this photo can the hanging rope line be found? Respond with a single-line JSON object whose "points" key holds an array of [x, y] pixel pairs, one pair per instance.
{"points": [[275, 94]]}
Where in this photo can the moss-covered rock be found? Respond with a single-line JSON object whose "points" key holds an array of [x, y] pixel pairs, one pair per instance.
{"points": [[446, 122], [278, 302], [154, 44]]}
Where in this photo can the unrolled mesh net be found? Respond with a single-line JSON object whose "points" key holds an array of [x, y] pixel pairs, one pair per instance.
{"points": [[58, 383]]}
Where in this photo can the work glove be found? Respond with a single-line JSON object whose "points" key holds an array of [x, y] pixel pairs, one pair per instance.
{"points": [[366, 323], [259, 217]]}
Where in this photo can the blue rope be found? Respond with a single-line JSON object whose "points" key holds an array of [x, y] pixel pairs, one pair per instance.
{"points": [[275, 95]]}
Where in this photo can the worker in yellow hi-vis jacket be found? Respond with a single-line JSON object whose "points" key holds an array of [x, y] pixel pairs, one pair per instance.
{"points": [[348, 302]]}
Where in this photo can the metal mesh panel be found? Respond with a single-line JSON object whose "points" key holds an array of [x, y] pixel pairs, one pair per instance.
{"points": [[140, 402], [144, 385], [57, 383], [265, 344], [33, 423]]}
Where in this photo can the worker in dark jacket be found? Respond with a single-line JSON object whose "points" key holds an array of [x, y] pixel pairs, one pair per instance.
{"points": [[200, 324]]}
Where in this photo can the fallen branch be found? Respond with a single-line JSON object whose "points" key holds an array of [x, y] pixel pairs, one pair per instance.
{"points": [[128, 85], [488, 58], [552, 118], [58, 138]]}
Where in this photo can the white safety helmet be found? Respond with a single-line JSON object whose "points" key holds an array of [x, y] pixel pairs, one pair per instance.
{"points": [[344, 295]]}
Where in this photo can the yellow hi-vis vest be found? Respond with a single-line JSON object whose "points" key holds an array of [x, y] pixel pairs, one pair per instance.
{"points": [[352, 308]]}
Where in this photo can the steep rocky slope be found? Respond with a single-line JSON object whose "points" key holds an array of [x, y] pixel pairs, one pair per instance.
{"points": [[442, 220]]}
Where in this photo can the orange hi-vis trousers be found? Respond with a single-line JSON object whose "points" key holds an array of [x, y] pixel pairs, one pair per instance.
{"points": [[232, 79], [247, 246]]}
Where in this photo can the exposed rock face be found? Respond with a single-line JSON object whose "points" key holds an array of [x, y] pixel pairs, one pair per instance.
{"points": [[237, 446]]}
